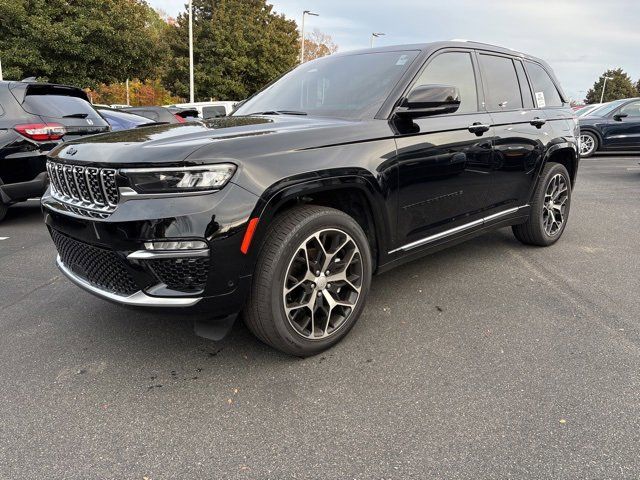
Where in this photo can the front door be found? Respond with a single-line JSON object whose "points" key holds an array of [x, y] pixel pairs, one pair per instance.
{"points": [[622, 130], [445, 161]]}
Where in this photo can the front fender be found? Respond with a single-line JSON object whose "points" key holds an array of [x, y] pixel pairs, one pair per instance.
{"points": [[297, 188]]}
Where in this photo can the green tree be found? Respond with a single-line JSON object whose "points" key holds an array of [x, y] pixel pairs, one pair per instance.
{"points": [[239, 46], [620, 86], [81, 42]]}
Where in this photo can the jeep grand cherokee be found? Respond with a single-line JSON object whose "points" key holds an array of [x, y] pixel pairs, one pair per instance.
{"points": [[344, 167]]}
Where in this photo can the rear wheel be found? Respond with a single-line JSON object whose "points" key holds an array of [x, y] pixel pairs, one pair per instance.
{"points": [[3, 210], [588, 144], [310, 282], [549, 209]]}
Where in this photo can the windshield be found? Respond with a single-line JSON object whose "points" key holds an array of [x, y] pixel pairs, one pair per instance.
{"points": [[606, 108], [345, 86]]}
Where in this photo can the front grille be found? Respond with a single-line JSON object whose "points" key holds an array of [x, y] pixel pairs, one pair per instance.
{"points": [[86, 188], [182, 274], [99, 266]]}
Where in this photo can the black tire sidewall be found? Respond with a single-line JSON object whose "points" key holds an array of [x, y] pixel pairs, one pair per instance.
{"points": [[295, 341]]}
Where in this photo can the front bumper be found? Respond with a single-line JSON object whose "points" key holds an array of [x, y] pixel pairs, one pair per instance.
{"points": [[137, 299], [107, 257]]}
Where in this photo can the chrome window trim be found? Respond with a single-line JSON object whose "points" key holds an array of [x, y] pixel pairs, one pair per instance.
{"points": [[460, 228]]}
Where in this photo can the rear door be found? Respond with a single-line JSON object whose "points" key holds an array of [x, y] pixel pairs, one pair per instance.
{"points": [[520, 130], [444, 161], [67, 106]]}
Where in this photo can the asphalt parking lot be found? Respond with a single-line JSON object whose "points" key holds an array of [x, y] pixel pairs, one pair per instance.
{"points": [[487, 360]]}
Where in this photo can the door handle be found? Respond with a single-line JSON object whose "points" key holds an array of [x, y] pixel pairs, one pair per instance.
{"points": [[479, 128], [538, 122]]}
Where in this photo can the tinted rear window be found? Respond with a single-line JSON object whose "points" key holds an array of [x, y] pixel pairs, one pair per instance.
{"points": [[501, 83], [213, 112], [60, 106]]}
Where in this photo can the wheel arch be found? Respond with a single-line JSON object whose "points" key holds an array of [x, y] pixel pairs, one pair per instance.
{"points": [[352, 194], [565, 153]]}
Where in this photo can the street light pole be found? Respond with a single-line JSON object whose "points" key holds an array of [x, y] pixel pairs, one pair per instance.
{"points": [[375, 35], [603, 87], [191, 88], [306, 12]]}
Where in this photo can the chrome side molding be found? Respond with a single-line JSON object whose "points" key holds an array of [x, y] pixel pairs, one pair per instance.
{"points": [[460, 228]]}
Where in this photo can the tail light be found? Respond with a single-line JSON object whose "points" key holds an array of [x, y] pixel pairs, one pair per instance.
{"points": [[179, 118], [41, 132]]}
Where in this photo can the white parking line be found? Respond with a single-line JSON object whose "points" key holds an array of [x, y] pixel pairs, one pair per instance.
{"points": [[4, 238], [633, 168]]}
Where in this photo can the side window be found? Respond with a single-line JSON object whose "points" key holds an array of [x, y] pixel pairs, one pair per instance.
{"points": [[544, 90], [500, 82], [525, 89], [631, 109], [455, 69]]}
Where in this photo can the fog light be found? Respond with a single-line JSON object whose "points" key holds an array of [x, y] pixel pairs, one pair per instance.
{"points": [[181, 245]]}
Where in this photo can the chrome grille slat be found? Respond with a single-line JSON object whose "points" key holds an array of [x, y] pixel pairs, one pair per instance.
{"points": [[90, 191]]}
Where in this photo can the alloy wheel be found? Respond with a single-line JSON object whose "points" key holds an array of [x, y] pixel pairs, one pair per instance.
{"points": [[322, 284], [555, 204], [587, 144]]}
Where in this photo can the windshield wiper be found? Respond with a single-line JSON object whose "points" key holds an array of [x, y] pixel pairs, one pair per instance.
{"points": [[279, 112], [76, 115]]}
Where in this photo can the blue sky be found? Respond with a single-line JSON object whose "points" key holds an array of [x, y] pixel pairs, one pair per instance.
{"points": [[579, 38]]}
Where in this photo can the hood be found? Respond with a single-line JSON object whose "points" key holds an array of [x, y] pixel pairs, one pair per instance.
{"points": [[222, 139]]}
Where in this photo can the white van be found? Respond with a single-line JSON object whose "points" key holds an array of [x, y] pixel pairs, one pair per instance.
{"points": [[208, 109]]}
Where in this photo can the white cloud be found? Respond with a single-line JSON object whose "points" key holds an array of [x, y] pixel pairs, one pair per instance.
{"points": [[579, 38]]}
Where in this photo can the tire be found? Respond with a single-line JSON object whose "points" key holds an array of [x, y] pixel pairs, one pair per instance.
{"points": [[3, 210], [290, 260], [543, 228], [589, 144]]}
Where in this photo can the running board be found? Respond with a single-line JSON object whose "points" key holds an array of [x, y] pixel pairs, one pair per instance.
{"points": [[452, 231]]}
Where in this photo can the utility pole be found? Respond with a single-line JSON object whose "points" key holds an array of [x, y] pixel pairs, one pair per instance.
{"points": [[0, 70], [603, 87], [375, 35], [127, 87], [191, 90], [306, 12]]}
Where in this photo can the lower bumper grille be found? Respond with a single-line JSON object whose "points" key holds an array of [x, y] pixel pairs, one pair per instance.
{"points": [[181, 274], [99, 266]]}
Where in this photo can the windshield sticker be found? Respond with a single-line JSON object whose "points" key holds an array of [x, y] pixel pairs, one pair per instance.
{"points": [[540, 99], [402, 60]]}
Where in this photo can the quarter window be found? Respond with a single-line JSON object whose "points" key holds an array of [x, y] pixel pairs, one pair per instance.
{"points": [[455, 69], [544, 90], [501, 83]]}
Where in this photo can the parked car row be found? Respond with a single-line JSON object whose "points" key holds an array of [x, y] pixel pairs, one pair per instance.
{"points": [[36, 117]]}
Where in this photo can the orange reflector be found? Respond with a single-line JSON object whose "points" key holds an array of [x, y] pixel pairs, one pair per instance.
{"points": [[248, 235]]}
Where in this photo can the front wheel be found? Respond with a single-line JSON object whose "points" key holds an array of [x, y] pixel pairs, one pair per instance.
{"points": [[549, 209], [588, 144], [311, 280]]}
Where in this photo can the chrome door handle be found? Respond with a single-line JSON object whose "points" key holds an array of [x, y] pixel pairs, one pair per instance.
{"points": [[538, 122], [479, 128]]}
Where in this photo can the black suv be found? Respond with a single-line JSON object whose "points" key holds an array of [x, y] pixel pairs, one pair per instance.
{"points": [[346, 166], [35, 118]]}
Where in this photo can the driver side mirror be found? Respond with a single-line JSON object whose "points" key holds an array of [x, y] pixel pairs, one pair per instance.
{"points": [[619, 116], [426, 100]]}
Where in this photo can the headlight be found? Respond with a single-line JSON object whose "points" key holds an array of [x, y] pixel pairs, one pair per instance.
{"points": [[187, 179]]}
